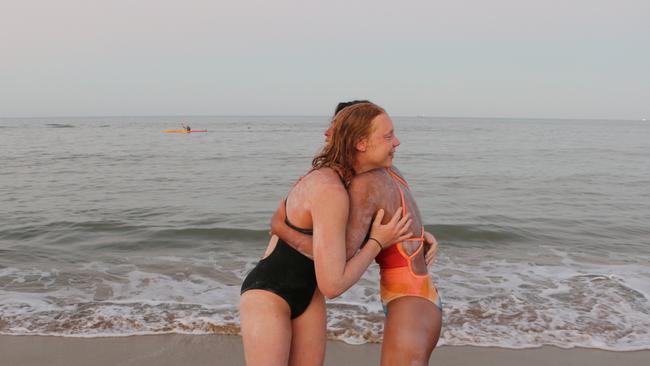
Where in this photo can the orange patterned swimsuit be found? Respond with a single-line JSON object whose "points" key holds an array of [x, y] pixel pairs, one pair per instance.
{"points": [[397, 276]]}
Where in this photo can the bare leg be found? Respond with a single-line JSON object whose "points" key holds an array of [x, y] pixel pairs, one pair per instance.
{"points": [[309, 334], [265, 327], [411, 332]]}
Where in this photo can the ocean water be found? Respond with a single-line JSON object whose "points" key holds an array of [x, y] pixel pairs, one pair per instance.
{"points": [[110, 227]]}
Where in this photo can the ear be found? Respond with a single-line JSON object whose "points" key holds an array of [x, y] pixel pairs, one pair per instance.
{"points": [[362, 145]]}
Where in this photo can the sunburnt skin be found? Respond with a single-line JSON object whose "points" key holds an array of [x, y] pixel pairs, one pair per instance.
{"points": [[375, 190]]}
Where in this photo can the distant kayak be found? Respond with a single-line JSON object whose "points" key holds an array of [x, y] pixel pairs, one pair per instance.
{"points": [[183, 131]]}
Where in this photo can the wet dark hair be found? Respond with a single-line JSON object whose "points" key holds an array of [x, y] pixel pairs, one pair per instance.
{"points": [[348, 104]]}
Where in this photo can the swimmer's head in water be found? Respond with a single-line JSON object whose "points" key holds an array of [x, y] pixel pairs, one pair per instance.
{"points": [[357, 134]]}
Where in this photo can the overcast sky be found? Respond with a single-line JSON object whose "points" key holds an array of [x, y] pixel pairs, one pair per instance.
{"points": [[484, 58]]}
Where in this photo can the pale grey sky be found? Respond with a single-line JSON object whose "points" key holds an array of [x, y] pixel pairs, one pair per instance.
{"points": [[484, 58]]}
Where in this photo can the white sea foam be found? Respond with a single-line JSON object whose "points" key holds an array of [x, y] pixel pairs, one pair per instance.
{"points": [[487, 302], [521, 304]]}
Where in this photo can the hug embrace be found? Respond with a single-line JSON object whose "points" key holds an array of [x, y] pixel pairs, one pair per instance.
{"points": [[352, 207]]}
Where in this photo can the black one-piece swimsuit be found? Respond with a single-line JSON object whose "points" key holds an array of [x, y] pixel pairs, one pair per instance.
{"points": [[287, 273]]}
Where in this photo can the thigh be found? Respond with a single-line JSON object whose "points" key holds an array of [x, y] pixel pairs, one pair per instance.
{"points": [[265, 327], [309, 334], [411, 331]]}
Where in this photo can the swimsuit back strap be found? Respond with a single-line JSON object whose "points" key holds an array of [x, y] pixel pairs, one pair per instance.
{"points": [[294, 227], [402, 200], [398, 178], [401, 192]]}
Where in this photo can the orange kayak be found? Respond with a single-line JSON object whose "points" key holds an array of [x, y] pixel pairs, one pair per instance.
{"points": [[183, 131]]}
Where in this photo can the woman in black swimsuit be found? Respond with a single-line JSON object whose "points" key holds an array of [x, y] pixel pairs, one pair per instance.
{"points": [[282, 309]]}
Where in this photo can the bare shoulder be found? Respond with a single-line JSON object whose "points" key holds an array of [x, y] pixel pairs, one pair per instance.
{"points": [[327, 197], [372, 180], [325, 181]]}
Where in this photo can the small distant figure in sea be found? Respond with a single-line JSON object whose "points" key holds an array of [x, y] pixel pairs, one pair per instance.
{"points": [[186, 128]]}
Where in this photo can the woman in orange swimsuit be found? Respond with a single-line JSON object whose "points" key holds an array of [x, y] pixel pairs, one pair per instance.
{"points": [[411, 301]]}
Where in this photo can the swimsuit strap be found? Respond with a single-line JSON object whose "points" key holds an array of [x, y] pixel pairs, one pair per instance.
{"points": [[286, 217], [421, 240], [401, 250], [401, 198], [294, 227], [397, 178]]}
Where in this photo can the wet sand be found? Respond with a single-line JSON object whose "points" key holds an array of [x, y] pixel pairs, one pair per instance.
{"points": [[226, 350]]}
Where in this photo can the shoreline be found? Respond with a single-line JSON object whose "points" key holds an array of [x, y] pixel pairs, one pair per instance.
{"points": [[226, 350]]}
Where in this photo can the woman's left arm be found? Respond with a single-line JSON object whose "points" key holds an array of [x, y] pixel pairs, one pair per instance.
{"points": [[431, 247]]}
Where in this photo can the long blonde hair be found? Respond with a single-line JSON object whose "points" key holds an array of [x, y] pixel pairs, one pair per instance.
{"points": [[350, 125]]}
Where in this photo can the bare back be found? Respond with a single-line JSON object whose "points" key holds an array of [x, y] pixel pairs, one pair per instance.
{"points": [[376, 190]]}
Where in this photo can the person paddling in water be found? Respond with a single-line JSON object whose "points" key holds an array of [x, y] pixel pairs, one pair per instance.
{"points": [[186, 127]]}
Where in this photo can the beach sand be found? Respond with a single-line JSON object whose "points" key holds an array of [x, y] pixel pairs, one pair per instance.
{"points": [[226, 350]]}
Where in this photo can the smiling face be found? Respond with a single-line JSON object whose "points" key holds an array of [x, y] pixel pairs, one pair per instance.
{"points": [[360, 138], [378, 149]]}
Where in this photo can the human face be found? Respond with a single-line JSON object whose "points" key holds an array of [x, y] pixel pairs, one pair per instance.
{"points": [[328, 132], [378, 150]]}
